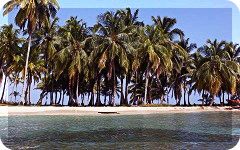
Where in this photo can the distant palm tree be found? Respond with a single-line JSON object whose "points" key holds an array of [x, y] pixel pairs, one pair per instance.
{"points": [[35, 14]]}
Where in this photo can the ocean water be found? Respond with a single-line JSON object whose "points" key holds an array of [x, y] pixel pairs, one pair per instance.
{"points": [[207, 130]]}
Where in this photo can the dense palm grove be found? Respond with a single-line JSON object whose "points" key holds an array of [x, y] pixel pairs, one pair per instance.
{"points": [[119, 57]]}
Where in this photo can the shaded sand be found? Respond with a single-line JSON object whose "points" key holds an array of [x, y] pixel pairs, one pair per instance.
{"points": [[92, 111]]}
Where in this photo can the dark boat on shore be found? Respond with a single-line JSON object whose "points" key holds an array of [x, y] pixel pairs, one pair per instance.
{"points": [[234, 102]]}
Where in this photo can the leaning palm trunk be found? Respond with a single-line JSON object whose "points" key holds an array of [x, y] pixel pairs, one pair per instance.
{"points": [[146, 89], [146, 85], [23, 98], [4, 86]]}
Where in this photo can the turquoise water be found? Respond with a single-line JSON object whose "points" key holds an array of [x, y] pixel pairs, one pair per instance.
{"points": [[215, 130]]}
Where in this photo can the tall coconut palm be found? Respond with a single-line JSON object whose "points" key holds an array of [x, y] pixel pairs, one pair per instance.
{"points": [[157, 55], [214, 70], [130, 20], [73, 56], [162, 52], [9, 48], [183, 72], [35, 14], [166, 25], [113, 49], [47, 40]]}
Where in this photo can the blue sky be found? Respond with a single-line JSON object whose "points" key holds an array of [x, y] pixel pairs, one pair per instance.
{"points": [[159, 4], [199, 24]]}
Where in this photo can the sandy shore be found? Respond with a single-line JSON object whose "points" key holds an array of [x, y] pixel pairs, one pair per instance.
{"points": [[19, 110]]}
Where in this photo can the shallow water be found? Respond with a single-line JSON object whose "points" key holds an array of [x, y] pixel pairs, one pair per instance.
{"points": [[208, 130]]}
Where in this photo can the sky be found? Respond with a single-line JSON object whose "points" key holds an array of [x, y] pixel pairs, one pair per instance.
{"points": [[199, 19], [199, 24], [159, 4]]}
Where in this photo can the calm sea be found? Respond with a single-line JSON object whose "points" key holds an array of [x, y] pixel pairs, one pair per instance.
{"points": [[208, 130]]}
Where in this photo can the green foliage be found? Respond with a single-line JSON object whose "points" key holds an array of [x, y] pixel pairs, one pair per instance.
{"points": [[151, 61]]}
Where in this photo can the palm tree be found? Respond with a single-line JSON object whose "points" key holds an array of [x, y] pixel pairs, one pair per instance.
{"points": [[35, 14], [9, 48], [158, 48], [183, 72], [113, 49], [166, 25], [130, 20], [214, 70], [73, 56], [157, 55], [48, 41]]}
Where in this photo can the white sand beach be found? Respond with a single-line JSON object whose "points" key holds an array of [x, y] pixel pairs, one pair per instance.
{"points": [[50, 110]]}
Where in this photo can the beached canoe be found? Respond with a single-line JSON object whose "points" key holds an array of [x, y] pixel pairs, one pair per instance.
{"points": [[234, 102]]}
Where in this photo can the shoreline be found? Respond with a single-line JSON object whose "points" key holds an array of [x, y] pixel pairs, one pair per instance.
{"points": [[101, 111]]}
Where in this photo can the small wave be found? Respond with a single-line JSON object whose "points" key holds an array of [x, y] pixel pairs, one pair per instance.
{"points": [[4, 129], [236, 131], [30, 147]]}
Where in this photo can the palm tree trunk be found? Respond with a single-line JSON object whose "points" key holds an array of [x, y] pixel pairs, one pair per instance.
{"points": [[70, 100], [55, 102], [189, 104], [60, 97], [223, 97], [105, 99], [4, 86], [184, 94], [91, 102], [220, 100], [26, 70], [98, 100], [126, 90], [110, 98], [167, 96], [82, 104], [114, 86], [146, 91], [29, 93], [146, 85], [51, 98], [63, 98], [167, 99], [77, 90], [12, 94], [122, 96], [203, 98]]}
